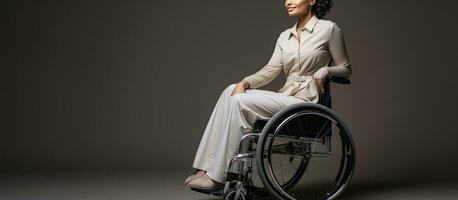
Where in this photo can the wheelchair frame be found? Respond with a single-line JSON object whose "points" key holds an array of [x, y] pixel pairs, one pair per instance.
{"points": [[239, 170]]}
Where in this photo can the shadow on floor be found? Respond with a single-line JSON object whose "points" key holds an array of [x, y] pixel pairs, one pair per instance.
{"points": [[392, 189], [363, 190]]}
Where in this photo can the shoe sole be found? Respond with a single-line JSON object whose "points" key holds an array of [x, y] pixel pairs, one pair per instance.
{"points": [[213, 191]]}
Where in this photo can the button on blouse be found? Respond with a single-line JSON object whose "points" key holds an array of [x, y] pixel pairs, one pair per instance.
{"points": [[321, 42]]}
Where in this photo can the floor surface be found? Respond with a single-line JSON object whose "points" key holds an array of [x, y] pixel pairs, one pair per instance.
{"points": [[139, 185]]}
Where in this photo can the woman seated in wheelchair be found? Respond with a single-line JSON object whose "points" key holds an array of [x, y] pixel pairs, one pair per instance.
{"points": [[304, 53]]}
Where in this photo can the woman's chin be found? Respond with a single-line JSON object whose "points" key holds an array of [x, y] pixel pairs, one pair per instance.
{"points": [[292, 14]]}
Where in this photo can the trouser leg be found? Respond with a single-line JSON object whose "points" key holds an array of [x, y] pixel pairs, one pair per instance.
{"points": [[216, 125], [232, 117]]}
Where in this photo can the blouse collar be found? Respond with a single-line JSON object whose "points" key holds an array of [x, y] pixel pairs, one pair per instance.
{"points": [[308, 26]]}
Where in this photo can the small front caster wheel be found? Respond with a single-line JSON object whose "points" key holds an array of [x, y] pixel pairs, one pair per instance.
{"points": [[231, 194]]}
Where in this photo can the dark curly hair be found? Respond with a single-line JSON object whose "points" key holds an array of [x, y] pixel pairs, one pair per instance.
{"points": [[322, 7]]}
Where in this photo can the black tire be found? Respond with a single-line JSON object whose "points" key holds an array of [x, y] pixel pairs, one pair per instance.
{"points": [[272, 130]]}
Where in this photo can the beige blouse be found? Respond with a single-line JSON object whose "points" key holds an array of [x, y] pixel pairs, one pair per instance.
{"points": [[321, 42]]}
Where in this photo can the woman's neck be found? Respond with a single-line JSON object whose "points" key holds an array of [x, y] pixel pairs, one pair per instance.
{"points": [[302, 20]]}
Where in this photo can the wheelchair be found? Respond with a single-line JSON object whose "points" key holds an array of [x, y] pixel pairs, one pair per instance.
{"points": [[303, 152]]}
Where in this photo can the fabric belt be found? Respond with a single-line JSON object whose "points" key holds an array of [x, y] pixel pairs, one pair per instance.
{"points": [[294, 78], [301, 79]]}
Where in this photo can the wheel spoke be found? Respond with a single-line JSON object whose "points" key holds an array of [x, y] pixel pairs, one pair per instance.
{"points": [[295, 156]]}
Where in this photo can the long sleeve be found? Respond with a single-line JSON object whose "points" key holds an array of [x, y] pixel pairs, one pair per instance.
{"points": [[269, 72], [339, 55]]}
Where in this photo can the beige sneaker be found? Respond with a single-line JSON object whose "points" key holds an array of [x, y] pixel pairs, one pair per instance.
{"points": [[205, 183], [198, 174]]}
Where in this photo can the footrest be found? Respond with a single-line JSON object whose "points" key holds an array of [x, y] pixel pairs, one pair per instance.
{"points": [[216, 192]]}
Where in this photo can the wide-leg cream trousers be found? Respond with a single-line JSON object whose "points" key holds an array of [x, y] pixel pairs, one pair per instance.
{"points": [[232, 117]]}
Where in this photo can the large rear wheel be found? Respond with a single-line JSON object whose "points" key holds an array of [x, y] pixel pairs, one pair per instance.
{"points": [[305, 133]]}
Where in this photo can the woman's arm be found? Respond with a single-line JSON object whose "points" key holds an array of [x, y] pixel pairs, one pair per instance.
{"points": [[269, 72], [339, 56]]}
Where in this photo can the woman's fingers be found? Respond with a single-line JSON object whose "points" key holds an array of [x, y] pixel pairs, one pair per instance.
{"points": [[319, 84], [233, 91], [237, 90]]}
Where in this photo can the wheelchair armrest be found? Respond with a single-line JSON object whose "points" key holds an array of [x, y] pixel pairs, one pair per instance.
{"points": [[339, 80]]}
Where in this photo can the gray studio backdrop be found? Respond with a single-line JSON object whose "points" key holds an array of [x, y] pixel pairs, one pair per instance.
{"points": [[131, 84]]}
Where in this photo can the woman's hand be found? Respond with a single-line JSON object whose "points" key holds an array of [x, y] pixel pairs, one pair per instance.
{"points": [[319, 76], [319, 85], [240, 87]]}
